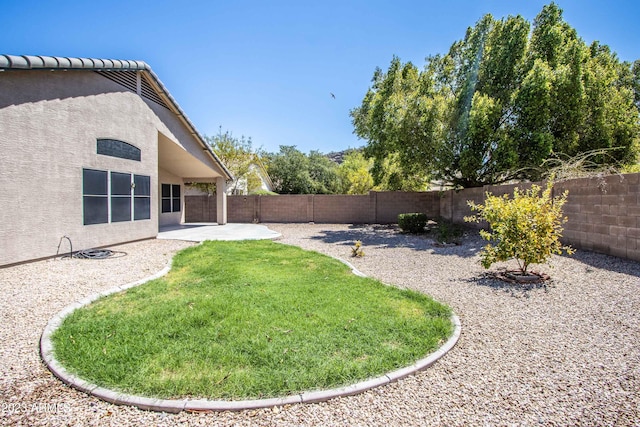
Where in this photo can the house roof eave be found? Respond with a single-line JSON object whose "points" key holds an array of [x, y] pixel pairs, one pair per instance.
{"points": [[30, 62]]}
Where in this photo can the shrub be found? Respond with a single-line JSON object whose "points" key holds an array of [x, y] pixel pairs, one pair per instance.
{"points": [[527, 227], [447, 232], [412, 222], [357, 251]]}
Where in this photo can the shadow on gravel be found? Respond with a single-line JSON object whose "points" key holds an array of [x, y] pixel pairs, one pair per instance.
{"points": [[389, 236], [594, 260], [518, 290]]}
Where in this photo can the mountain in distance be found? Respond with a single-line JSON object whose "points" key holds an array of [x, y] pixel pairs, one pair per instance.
{"points": [[338, 156]]}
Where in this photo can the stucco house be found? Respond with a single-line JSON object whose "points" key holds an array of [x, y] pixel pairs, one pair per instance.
{"points": [[265, 180], [95, 150], [239, 186]]}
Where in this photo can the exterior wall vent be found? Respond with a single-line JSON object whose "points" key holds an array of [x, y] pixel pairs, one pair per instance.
{"points": [[150, 93], [123, 78], [128, 80]]}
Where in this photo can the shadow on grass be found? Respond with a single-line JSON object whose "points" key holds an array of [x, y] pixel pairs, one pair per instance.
{"points": [[390, 236]]}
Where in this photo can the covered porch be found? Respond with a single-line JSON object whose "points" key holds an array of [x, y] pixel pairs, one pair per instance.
{"points": [[178, 166]]}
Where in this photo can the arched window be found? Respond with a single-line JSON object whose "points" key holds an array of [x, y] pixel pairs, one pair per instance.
{"points": [[120, 149]]}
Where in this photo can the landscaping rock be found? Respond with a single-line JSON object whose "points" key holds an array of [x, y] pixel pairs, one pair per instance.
{"points": [[566, 353]]}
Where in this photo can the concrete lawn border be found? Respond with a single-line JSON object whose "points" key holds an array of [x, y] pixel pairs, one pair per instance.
{"points": [[203, 405]]}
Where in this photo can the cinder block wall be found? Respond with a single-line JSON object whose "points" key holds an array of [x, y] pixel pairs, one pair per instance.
{"points": [[459, 205], [376, 207], [200, 208], [286, 208], [343, 209], [393, 203], [603, 213], [241, 208], [459, 202]]}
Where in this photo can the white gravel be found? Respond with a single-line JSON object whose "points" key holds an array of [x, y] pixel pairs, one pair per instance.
{"points": [[563, 354]]}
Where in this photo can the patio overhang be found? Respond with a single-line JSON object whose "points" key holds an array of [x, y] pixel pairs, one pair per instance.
{"points": [[199, 166], [176, 160]]}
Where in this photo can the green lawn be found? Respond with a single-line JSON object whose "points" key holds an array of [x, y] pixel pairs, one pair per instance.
{"points": [[249, 320]]}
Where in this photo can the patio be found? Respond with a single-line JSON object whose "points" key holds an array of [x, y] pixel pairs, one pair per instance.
{"points": [[199, 232]]}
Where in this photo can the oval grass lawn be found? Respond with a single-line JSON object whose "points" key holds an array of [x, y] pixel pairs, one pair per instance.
{"points": [[245, 320]]}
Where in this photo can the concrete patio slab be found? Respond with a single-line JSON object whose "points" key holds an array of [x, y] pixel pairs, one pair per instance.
{"points": [[199, 232]]}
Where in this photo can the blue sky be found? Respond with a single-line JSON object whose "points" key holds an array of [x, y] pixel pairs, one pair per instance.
{"points": [[266, 69]]}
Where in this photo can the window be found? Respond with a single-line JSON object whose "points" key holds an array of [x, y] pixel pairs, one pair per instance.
{"points": [[120, 197], [142, 200], [170, 198], [120, 149], [115, 197], [95, 198]]}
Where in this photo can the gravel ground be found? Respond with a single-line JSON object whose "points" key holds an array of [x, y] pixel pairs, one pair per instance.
{"points": [[567, 353]]}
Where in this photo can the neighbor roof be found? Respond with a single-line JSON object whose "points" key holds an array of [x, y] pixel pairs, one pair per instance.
{"points": [[28, 62]]}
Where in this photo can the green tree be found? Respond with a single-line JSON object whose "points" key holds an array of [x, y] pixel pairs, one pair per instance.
{"points": [[500, 102], [399, 117], [360, 174], [254, 181], [238, 155], [532, 105], [630, 77], [389, 175], [324, 174], [293, 172], [635, 82], [611, 116], [289, 171], [355, 173]]}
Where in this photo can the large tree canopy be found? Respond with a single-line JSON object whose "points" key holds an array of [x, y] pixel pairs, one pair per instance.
{"points": [[500, 102], [294, 172]]}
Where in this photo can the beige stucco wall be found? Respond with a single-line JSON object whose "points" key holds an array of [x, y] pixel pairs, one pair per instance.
{"points": [[49, 123], [169, 125]]}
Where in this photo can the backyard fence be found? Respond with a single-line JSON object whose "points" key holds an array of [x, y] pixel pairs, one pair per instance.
{"points": [[374, 208], [603, 213]]}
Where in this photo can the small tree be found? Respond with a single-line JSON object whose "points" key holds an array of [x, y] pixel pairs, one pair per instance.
{"points": [[238, 155], [527, 227], [355, 173]]}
